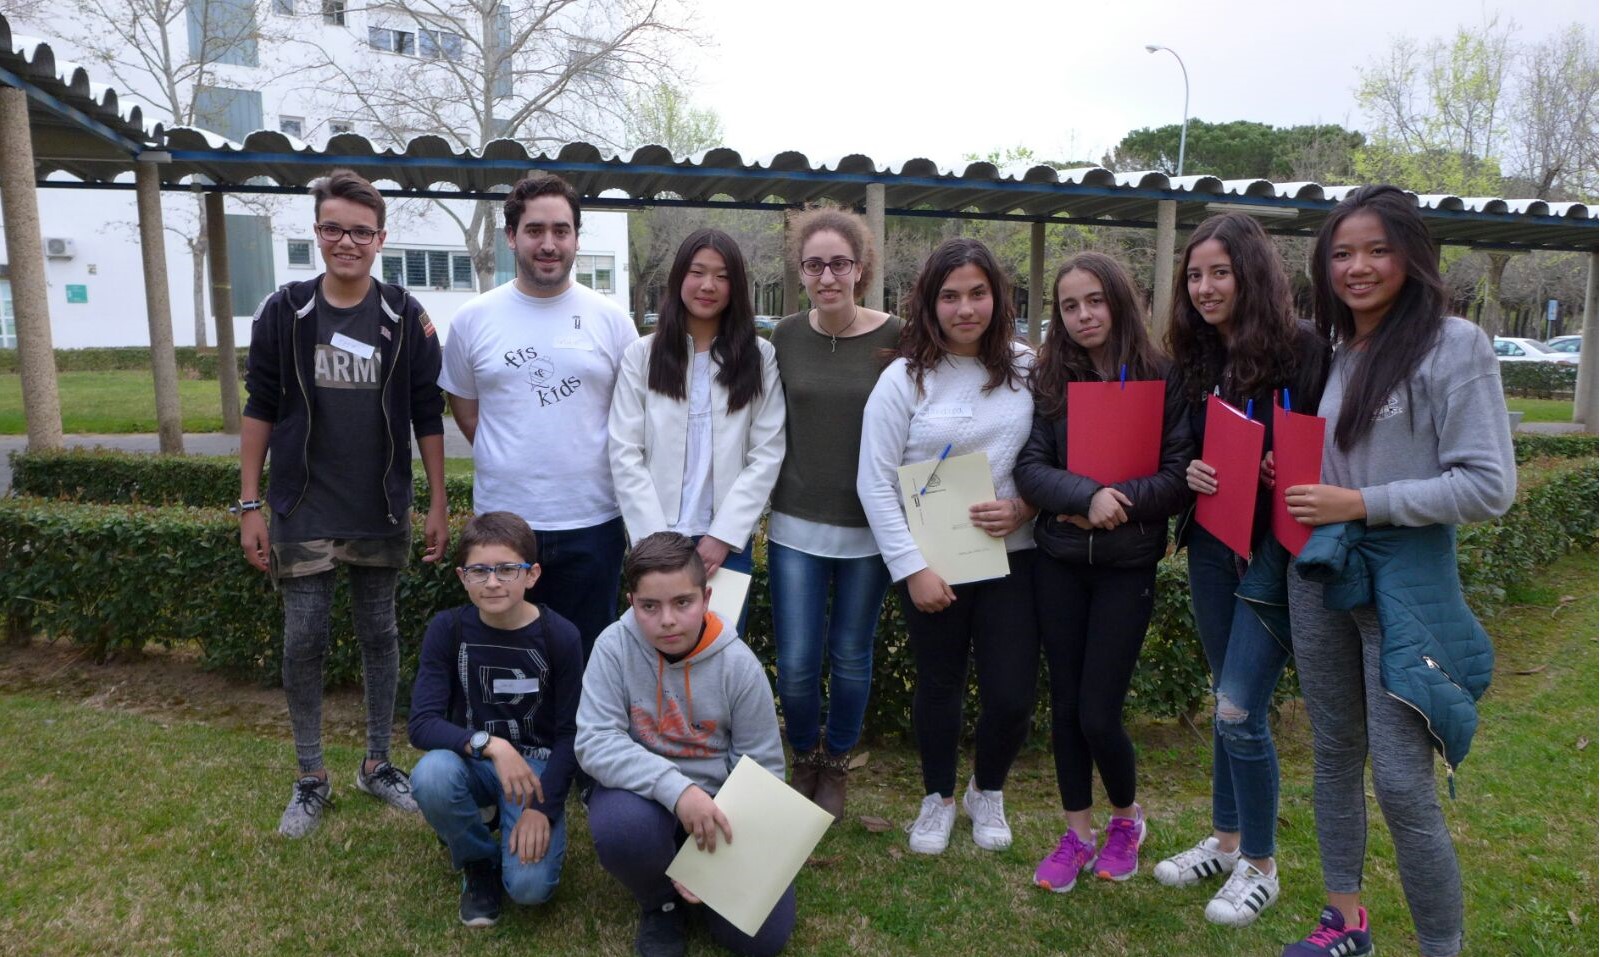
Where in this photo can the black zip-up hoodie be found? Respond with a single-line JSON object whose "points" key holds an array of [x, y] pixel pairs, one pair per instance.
{"points": [[279, 373], [1043, 480]]}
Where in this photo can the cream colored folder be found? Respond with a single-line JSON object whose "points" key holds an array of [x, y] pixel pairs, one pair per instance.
{"points": [[941, 524], [728, 589], [774, 831]]}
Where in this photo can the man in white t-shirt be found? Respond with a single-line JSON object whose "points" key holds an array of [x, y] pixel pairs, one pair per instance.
{"points": [[528, 370]]}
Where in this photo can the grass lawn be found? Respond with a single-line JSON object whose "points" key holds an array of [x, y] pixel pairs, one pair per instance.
{"points": [[115, 402], [1541, 410], [127, 830]]}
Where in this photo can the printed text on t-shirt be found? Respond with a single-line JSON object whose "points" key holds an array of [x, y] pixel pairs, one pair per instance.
{"points": [[541, 375]]}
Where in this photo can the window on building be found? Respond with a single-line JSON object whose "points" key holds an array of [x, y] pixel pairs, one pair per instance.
{"points": [[249, 260], [223, 31], [294, 126], [392, 41], [439, 44], [500, 52], [333, 12], [229, 112], [299, 254], [429, 269], [335, 127], [283, 8], [8, 318], [597, 272]]}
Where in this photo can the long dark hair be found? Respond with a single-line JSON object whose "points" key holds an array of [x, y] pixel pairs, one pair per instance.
{"points": [[737, 356], [1258, 354], [922, 342], [1061, 360], [1395, 348]]}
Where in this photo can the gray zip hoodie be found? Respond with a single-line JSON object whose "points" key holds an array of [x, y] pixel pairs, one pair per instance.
{"points": [[654, 727]]}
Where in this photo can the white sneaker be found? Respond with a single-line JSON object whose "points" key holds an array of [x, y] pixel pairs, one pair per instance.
{"points": [[930, 832], [1247, 893], [1204, 860], [988, 812]]}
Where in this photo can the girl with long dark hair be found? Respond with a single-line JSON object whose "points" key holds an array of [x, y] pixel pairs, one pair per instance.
{"points": [[1096, 574], [959, 381], [697, 418], [1417, 443], [1233, 333], [828, 580]]}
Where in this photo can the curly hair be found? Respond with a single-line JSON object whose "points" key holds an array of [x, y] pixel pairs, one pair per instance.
{"points": [[1061, 360], [1259, 351], [851, 226], [922, 342]]}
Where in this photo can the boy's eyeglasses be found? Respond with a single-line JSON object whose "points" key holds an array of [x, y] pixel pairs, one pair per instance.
{"points": [[814, 267], [330, 234], [506, 572]]}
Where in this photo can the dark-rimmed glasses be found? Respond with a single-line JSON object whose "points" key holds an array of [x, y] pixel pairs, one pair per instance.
{"points": [[331, 233], [505, 572], [814, 266]]}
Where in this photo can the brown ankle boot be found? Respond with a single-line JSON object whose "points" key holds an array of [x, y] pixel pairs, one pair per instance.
{"points": [[833, 770], [806, 768]]}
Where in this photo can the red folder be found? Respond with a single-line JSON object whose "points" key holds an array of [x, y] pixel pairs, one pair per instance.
{"points": [[1114, 429], [1232, 447], [1297, 460]]}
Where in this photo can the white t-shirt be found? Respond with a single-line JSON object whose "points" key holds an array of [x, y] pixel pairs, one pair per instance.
{"points": [[542, 371], [694, 508]]}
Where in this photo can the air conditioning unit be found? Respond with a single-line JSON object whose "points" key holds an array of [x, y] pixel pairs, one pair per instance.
{"points": [[59, 247]]}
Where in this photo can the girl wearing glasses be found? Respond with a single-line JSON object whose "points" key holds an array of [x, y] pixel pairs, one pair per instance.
{"points": [[826, 576], [696, 422], [959, 384]]}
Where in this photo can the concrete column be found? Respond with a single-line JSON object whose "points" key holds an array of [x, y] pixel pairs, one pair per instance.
{"points": [[1585, 396], [222, 311], [158, 307], [791, 275], [1166, 246], [36, 358], [1035, 282], [874, 293]]}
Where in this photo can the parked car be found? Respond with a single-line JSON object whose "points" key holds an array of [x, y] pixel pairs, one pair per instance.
{"points": [[1511, 349], [768, 323], [650, 319], [1570, 344]]}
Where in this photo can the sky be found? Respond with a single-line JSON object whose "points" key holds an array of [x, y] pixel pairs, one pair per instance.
{"points": [[899, 79]]}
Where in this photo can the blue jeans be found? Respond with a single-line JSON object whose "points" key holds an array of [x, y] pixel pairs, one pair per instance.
{"points": [[1246, 662], [580, 570], [450, 788], [806, 624]]}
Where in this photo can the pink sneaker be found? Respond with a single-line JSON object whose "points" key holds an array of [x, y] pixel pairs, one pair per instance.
{"points": [[1119, 857], [1059, 871]]}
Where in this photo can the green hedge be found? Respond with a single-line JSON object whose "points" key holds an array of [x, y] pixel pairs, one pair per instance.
{"points": [[1541, 379], [114, 577], [106, 477], [1533, 445], [196, 363]]}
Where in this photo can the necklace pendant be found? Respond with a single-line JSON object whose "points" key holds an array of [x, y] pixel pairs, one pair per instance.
{"points": [[833, 344]]}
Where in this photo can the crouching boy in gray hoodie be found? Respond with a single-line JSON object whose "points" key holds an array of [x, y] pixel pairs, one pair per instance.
{"points": [[671, 699]]}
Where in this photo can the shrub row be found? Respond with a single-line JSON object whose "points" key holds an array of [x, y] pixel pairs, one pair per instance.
{"points": [[196, 363], [1541, 379], [114, 577], [107, 477]]}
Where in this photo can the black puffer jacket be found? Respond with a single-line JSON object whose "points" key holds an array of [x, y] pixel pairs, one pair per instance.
{"points": [[1043, 480]]}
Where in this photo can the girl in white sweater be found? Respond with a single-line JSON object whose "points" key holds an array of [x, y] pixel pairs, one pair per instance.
{"points": [[958, 381], [697, 416]]}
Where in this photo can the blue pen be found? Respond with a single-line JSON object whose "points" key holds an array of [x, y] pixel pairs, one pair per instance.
{"points": [[1286, 405], [935, 469], [1250, 408], [1124, 375]]}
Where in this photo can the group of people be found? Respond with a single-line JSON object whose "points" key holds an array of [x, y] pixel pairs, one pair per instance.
{"points": [[600, 455]]}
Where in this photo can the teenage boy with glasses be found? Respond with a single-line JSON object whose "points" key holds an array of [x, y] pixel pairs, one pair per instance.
{"points": [[342, 369]]}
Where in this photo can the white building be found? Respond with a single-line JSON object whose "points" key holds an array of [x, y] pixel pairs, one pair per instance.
{"points": [[93, 261]]}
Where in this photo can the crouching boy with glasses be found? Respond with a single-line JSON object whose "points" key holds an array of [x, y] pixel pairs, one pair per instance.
{"points": [[495, 706]]}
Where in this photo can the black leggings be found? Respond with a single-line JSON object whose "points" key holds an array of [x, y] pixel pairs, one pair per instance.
{"points": [[1092, 625], [993, 623]]}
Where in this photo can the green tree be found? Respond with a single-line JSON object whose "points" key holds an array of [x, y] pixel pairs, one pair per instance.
{"points": [[1241, 149]]}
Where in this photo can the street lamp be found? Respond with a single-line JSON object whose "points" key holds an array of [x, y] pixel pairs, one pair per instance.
{"points": [[1183, 136]]}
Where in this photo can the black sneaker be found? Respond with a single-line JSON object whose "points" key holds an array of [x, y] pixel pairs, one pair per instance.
{"points": [[661, 931], [480, 893]]}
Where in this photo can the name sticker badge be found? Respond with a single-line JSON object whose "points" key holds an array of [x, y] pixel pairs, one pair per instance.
{"points": [[353, 346], [948, 411], [516, 686], [574, 340]]}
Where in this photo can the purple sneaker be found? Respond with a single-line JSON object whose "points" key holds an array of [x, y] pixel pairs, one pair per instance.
{"points": [[1333, 939], [1119, 857], [1059, 871]]}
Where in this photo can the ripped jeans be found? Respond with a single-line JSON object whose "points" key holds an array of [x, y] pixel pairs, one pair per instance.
{"points": [[1246, 662]]}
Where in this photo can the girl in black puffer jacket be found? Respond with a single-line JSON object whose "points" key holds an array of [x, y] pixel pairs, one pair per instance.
{"points": [[1099, 545]]}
